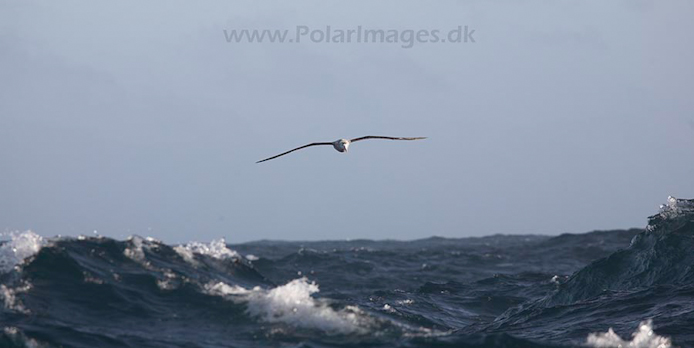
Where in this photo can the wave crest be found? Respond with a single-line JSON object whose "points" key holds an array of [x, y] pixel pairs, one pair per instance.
{"points": [[673, 214], [216, 249], [293, 304], [644, 337], [20, 246]]}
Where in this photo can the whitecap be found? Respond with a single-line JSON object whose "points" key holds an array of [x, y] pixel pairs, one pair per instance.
{"points": [[216, 249], [675, 210], [293, 304], [20, 246], [644, 337]]}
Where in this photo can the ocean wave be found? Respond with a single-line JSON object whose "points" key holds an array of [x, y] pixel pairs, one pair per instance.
{"points": [[661, 255], [655, 269], [498, 291]]}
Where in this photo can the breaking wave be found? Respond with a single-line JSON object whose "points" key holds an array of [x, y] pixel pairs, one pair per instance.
{"points": [[294, 305]]}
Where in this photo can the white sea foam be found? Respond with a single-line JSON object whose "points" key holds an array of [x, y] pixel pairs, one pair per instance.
{"points": [[9, 297], [557, 280], [19, 339], [136, 250], [216, 249], [13, 252], [170, 281], [19, 246], [293, 304], [644, 337], [223, 289]]}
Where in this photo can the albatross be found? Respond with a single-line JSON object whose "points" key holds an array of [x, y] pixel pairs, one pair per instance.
{"points": [[341, 145]]}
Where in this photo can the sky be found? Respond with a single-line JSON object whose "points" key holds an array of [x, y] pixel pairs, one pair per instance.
{"points": [[132, 118]]}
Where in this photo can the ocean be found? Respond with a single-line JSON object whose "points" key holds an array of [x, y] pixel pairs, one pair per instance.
{"points": [[620, 288]]}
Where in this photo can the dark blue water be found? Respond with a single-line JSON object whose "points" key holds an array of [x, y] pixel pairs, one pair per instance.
{"points": [[496, 291]]}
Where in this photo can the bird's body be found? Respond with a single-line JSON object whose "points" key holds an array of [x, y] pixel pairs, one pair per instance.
{"points": [[342, 145]]}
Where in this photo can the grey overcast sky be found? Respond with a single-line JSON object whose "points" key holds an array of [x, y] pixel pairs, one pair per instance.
{"points": [[131, 117]]}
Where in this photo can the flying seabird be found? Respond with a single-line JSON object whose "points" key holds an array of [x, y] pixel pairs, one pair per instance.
{"points": [[341, 145]]}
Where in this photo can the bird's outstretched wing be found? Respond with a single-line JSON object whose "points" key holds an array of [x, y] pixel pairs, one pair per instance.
{"points": [[298, 148], [382, 137]]}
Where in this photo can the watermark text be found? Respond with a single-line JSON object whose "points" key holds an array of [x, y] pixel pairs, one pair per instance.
{"points": [[406, 38]]}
